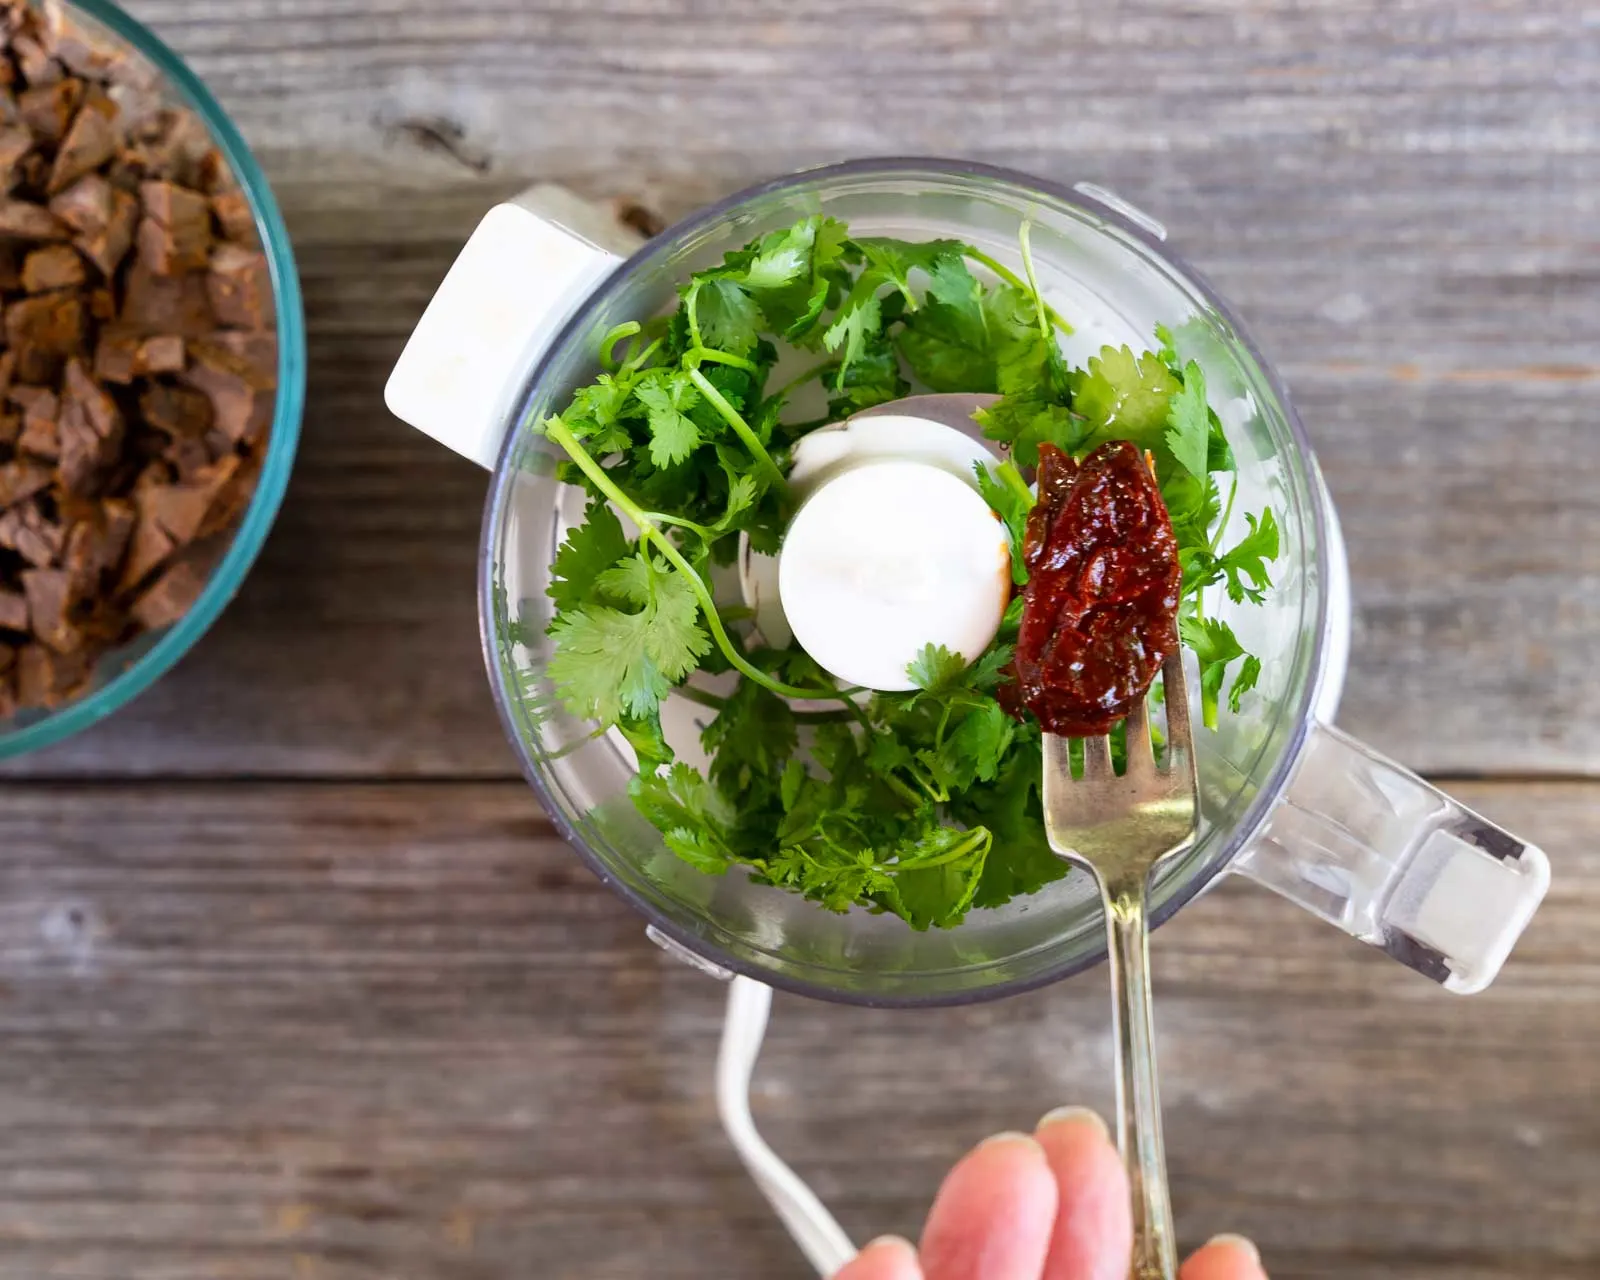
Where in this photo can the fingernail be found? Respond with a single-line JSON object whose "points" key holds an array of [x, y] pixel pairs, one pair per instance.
{"points": [[891, 1244], [1237, 1243], [1010, 1138], [1075, 1115]]}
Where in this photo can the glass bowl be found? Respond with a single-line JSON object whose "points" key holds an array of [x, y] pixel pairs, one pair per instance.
{"points": [[129, 670]]}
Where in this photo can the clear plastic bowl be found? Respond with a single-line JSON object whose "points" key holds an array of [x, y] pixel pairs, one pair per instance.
{"points": [[128, 671]]}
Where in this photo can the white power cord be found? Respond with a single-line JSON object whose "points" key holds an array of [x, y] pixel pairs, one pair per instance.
{"points": [[820, 1238]]}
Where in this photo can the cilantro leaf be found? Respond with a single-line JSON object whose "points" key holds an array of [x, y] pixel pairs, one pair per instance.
{"points": [[860, 318], [1125, 397], [695, 821], [1215, 645], [728, 317], [1249, 559], [1249, 673], [1189, 422], [974, 748], [1025, 422], [751, 738], [588, 551], [673, 434], [873, 378], [936, 669], [609, 663], [1004, 489]]}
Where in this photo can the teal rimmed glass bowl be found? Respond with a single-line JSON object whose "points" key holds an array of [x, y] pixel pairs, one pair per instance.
{"points": [[128, 671]]}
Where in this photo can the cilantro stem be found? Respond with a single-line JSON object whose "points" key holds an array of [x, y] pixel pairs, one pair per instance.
{"points": [[1014, 280], [1025, 235], [558, 431], [661, 517], [608, 344], [1227, 513], [699, 353], [741, 428]]}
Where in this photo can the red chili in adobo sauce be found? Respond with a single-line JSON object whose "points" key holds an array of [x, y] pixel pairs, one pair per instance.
{"points": [[1102, 593]]}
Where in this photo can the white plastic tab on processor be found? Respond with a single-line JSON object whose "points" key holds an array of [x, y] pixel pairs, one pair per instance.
{"points": [[519, 276], [1469, 904]]}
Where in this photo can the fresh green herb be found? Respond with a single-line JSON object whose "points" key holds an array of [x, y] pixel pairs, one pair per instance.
{"points": [[926, 803]]}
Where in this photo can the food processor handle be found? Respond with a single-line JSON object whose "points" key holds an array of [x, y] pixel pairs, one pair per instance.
{"points": [[1370, 847], [524, 271]]}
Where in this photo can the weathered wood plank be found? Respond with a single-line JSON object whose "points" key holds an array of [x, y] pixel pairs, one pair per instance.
{"points": [[1401, 202], [345, 1030]]}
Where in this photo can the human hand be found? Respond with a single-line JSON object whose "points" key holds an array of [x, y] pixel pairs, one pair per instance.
{"points": [[1051, 1207]]}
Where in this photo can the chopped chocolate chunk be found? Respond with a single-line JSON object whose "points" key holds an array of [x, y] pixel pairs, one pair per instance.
{"points": [[35, 63], [148, 549], [56, 266], [259, 351], [24, 221], [54, 322], [25, 530], [90, 142], [234, 216], [179, 411], [19, 480], [49, 108], [169, 597], [46, 678], [15, 143], [176, 232], [86, 205], [240, 394], [189, 456], [50, 601], [116, 357], [166, 304], [240, 287], [161, 354], [13, 610], [107, 247], [10, 427]]}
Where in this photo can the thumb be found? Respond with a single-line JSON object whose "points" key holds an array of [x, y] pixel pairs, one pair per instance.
{"points": [[1225, 1258]]}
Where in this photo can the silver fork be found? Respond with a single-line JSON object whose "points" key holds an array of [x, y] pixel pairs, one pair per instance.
{"points": [[1119, 829]]}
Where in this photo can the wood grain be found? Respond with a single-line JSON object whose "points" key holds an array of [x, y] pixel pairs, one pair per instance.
{"points": [[1400, 201], [351, 1030]]}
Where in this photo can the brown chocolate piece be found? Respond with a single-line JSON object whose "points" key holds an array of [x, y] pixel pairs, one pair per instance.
{"points": [[165, 304], [116, 357], [258, 350], [40, 409], [85, 206], [179, 411], [34, 61], [91, 430], [55, 322], [13, 610], [90, 142], [176, 232], [240, 287], [49, 109], [169, 597], [19, 480], [240, 394], [148, 549], [234, 216], [46, 678], [161, 354], [188, 455], [23, 221], [10, 427], [15, 143], [56, 266], [25, 530], [50, 603], [107, 247]]}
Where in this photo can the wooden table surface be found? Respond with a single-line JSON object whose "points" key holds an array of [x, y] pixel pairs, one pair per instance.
{"points": [[295, 981]]}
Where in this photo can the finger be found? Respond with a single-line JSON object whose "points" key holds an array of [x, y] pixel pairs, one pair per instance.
{"points": [[991, 1219], [889, 1258], [1093, 1234], [1225, 1258]]}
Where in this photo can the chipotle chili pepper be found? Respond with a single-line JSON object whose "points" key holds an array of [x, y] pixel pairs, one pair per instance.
{"points": [[1102, 595]]}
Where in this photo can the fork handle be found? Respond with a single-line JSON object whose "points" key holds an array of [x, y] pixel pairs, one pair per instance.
{"points": [[1155, 1254]]}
